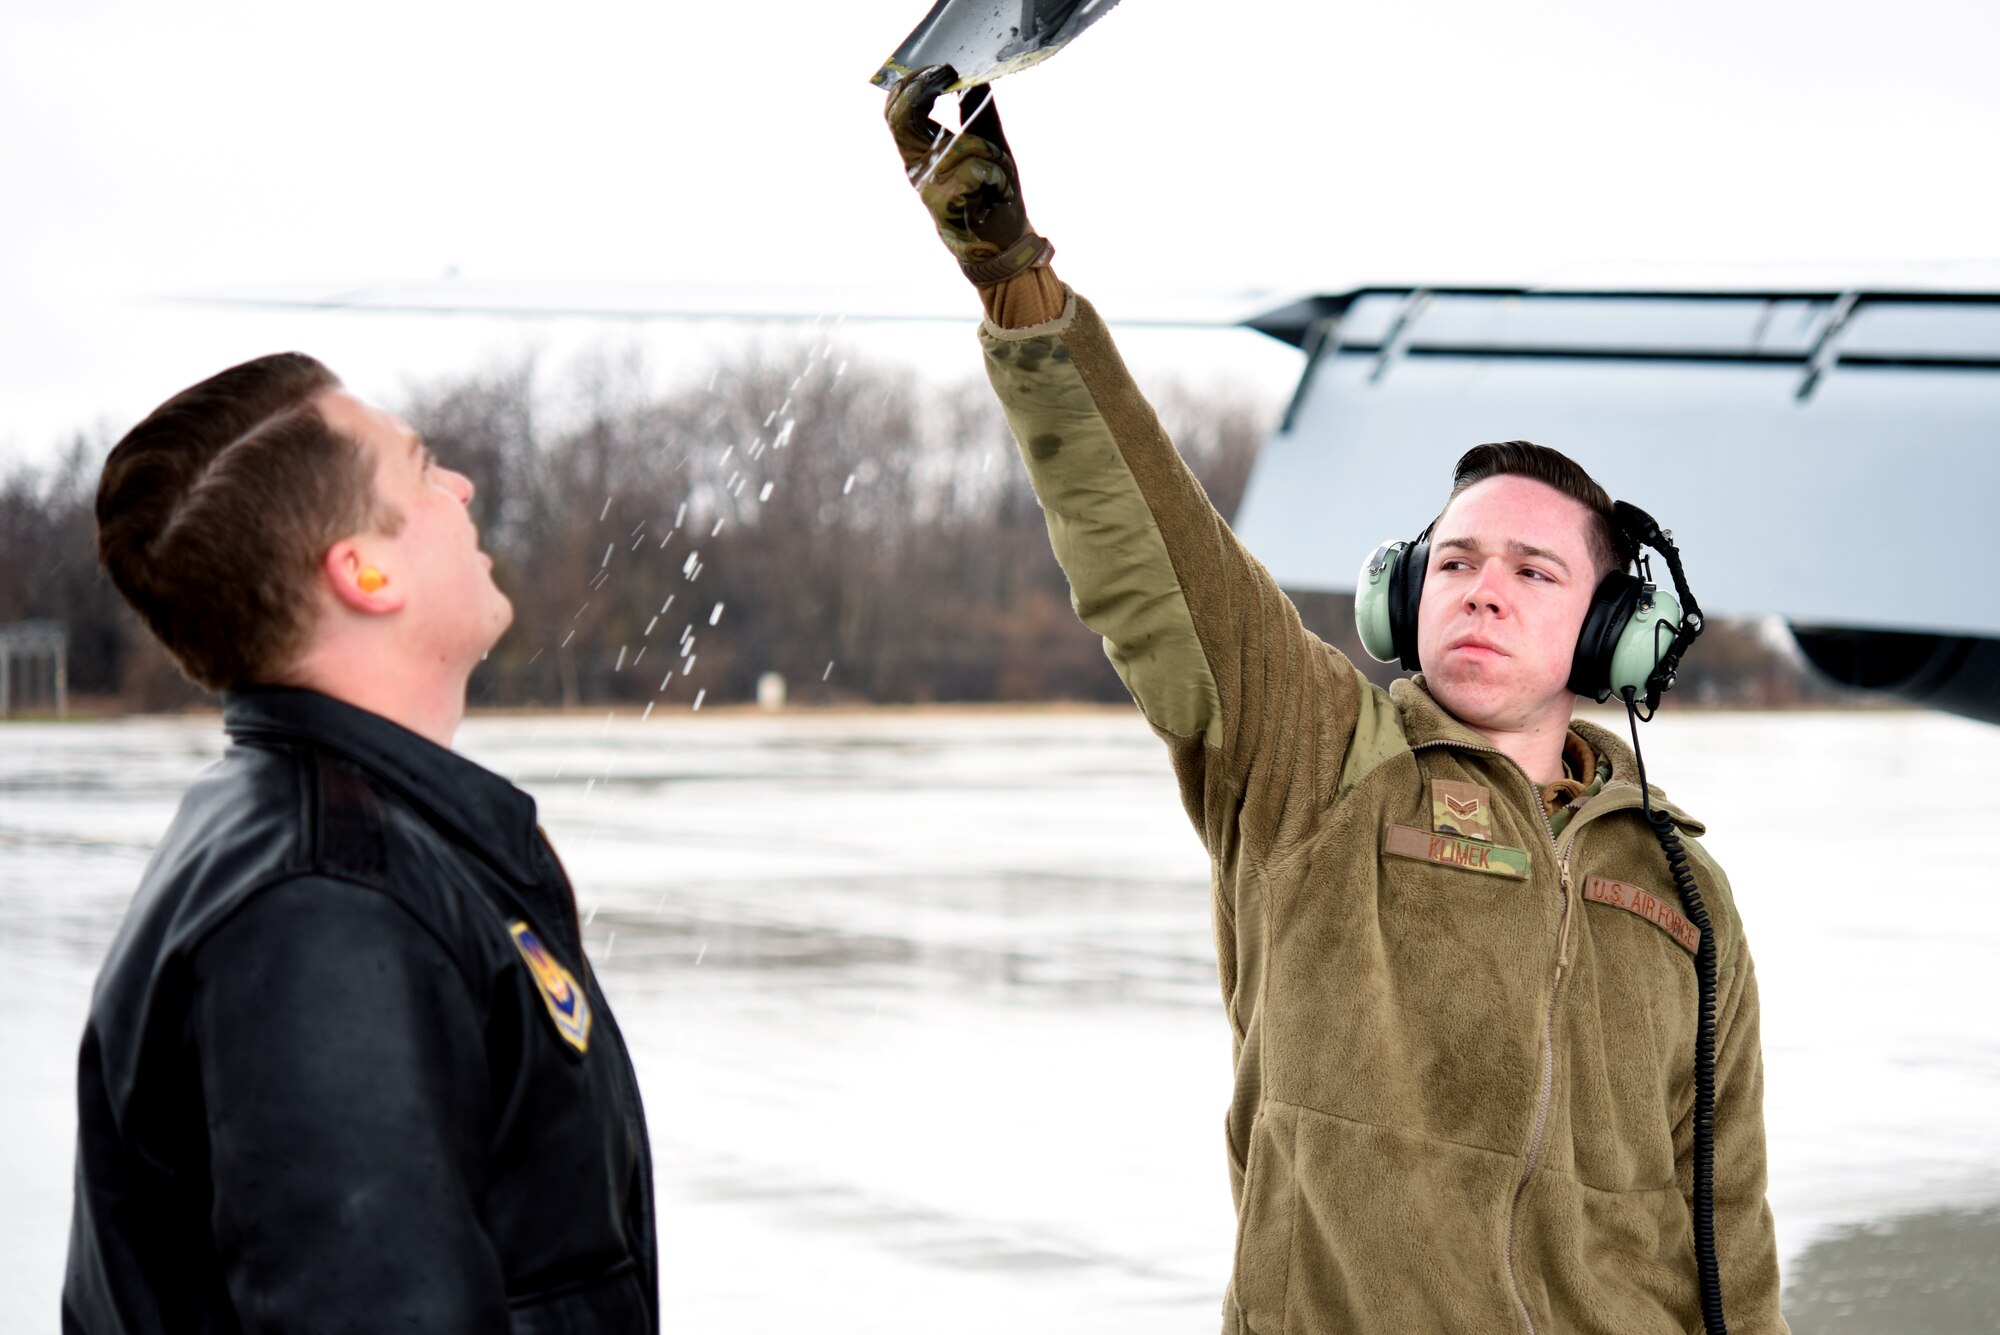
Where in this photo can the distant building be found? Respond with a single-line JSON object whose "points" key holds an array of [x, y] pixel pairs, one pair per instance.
{"points": [[34, 667]]}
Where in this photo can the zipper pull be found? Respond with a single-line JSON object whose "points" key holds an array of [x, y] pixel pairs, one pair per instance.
{"points": [[1568, 907]]}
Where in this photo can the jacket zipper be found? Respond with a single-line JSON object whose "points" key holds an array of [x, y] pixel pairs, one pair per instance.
{"points": [[1542, 1098]]}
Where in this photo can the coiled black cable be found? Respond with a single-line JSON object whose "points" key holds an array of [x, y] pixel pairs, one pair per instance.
{"points": [[1707, 1272]]}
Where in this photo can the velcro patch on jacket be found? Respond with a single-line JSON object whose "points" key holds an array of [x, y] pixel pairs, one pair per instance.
{"points": [[1450, 850], [1619, 895], [567, 1004], [1461, 808]]}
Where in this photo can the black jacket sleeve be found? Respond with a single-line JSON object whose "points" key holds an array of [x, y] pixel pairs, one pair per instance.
{"points": [[344, 1082]]}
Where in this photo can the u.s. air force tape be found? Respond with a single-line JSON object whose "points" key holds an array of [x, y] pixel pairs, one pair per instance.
{"points": [[1620, 895]]}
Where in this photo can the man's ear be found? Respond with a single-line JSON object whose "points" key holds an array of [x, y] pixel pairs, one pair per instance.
{"points": [[358, 585]]}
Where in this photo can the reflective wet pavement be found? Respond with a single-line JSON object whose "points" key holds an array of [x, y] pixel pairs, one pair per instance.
{"points": [[926, 1011]]}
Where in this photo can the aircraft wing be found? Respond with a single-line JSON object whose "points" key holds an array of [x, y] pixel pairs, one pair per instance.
{"points": [[984, 39], [1829, 457]]}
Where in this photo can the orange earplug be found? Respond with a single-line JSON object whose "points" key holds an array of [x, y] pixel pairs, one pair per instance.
{"points": [[370, 579]]}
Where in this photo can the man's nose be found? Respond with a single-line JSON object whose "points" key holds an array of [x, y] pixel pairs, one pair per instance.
{"points": [[1487, 591], [461, 485]]}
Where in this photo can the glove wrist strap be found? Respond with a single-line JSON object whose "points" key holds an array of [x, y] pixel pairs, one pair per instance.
{"points": [[1024, 254]]}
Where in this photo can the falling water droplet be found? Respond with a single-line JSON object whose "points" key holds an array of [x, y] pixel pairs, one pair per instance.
{"points": [[715, 615], [698, 695]]}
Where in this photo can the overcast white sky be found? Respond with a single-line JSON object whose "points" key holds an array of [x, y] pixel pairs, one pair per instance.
{"points": [[156, 148]]}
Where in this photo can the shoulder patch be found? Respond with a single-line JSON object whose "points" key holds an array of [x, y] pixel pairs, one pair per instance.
{"points": [[567, 1004]]}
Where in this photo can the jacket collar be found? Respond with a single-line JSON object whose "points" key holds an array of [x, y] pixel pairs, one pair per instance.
{"points": [[1425, 720], [484, 811]]}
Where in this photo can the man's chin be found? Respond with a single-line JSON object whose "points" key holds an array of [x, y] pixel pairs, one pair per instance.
{"points": [[1481, 701], [503, 618]]}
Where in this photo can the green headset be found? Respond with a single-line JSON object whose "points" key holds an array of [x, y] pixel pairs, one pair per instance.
{"points": [[1632, 639]]}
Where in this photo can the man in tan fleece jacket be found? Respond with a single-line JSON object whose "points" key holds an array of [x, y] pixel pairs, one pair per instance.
{"points": [[1464, 1075]]}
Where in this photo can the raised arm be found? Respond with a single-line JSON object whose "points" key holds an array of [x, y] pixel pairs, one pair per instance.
{"points": [[1263, 719]]}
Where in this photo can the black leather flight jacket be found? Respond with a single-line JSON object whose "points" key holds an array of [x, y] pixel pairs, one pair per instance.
{"points": [[322, 1088]]}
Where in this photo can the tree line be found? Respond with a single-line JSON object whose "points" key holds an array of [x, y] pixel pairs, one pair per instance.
{"points": [[798, 511]]}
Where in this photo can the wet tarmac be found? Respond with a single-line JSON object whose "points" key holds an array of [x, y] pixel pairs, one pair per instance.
{"points": [[926, 1012]]}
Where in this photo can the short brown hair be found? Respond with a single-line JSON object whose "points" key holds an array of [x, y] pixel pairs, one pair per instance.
{"points": [[214, 513], [1610, 548]]}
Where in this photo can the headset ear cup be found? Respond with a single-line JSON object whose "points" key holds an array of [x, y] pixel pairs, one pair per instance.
{"points": [[1607, 620], [1406, 595], [1372, 620], [1636, 653]]}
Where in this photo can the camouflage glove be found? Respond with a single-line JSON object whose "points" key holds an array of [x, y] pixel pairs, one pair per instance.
{"points": [[967, 180]]}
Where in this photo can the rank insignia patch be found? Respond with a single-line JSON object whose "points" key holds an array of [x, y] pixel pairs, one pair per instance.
{"points": [[567, 1004], [1463, 809]]}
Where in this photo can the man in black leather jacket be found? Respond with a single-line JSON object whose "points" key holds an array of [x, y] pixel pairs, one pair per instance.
{"points": [[346, 1068]]}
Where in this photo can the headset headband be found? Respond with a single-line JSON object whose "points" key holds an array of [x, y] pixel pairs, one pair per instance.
{"points": [[1646, 532]]}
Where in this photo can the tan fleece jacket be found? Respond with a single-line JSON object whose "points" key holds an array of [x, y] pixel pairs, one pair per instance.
{"points": [[1463, 1042]]}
